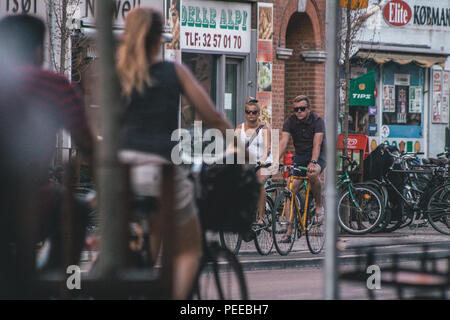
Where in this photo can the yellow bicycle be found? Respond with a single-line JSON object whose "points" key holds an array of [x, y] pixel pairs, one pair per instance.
{"points": [[296, 219]]}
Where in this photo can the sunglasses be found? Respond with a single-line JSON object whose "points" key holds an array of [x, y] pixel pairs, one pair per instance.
{"points": [[251, 112], [302, 109]]}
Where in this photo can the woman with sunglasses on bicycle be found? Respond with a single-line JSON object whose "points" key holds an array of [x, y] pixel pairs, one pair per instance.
{"points": [[258, 137], [151, 91]]}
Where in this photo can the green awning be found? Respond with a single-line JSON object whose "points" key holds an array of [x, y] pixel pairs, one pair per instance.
{"points": [[362, 90]]}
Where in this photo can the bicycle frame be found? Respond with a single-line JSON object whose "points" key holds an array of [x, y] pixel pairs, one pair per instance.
{"points": [[307, 186], [423, 195], [344, 180]]}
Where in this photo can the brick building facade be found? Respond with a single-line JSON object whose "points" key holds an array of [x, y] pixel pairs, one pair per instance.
{"points": [[304, 71]]}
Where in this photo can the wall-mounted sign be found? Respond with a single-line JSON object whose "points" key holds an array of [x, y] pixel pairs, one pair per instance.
{"points": [[372, 128], [417, 13], [397, 13], [402, 102], [265, 60], [362, 90], [372, 110], [440, 97], [388, 98], [402, 79], [121, 10], [385, 131], [415, 99], [215, 26], [34, 7]]}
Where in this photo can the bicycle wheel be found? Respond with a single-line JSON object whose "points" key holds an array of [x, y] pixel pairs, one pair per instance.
{"points": [[280, 226], [360, 209], [230, 240], [220, 277], [438, 209], [315, 233], [264, 238]]}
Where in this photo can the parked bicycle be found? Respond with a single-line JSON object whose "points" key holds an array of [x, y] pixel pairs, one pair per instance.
{"points": [[360, 206], [418, 206]]}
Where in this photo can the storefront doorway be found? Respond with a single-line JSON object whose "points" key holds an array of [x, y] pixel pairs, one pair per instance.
{"points": [[233, 85], [223, 79]]}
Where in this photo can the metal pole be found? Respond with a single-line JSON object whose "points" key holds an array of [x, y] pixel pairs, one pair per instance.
{"points": [[331, 261], [111, 176]]}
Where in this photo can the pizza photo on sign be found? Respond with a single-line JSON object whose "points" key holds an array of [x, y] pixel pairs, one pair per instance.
{"points": [[264, 76], [265, 23]]}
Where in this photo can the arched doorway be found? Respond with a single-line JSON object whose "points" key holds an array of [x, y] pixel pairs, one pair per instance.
{"points": [[305, 70]]}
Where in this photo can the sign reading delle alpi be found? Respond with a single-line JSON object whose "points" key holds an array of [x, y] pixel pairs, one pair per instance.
{"points": [[215, 26], [362, 90]]}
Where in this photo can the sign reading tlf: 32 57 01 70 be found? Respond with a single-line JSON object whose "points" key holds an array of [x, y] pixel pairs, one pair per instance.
{"points": [[215, 26]]}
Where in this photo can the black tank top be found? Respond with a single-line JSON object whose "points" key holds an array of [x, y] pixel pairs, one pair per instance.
{"points": [[151, 117]]}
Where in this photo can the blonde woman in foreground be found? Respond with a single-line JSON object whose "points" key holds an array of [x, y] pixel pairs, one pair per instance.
{"points": [[151, 91]]}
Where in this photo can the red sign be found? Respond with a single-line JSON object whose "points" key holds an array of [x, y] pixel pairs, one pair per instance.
{"points": [[397, 13], [355, 142]]}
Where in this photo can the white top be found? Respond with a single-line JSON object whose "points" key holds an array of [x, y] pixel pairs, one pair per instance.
{"points": [[256, 148]]}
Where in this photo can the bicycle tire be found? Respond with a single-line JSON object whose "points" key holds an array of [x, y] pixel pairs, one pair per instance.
{"points": [[264, 238], [383, 226], [371, 210], [279, 227], [438, 209], [315, 233], [218, 266], [231, 241]]}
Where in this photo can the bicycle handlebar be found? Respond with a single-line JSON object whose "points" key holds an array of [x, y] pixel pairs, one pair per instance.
{"points": [[352, 162], [446, 153]]}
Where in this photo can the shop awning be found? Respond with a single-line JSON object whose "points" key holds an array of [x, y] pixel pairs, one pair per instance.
{"points": [[362, 90], [423, 60]]}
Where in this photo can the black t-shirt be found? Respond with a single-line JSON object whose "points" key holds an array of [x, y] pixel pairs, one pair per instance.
{"points": [[302, 132]]}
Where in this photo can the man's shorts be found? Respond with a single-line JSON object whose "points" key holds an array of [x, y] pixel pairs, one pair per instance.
{"points": [[303, 160]]}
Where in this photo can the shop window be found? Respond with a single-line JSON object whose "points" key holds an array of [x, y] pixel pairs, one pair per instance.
{"points": [[402, 105], [359, 120], [203, 67]]}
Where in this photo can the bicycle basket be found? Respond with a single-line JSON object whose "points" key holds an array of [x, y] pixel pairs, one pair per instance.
{"points": [[378, 162], [229, 197]]}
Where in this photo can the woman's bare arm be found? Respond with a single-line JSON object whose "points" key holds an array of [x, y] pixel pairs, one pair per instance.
{"points": [[200, 100]]}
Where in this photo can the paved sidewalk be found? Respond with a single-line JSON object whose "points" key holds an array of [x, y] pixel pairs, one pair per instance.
{"points": [[401, 241]]}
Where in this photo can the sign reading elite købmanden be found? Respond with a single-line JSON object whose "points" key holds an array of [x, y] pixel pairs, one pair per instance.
{"points": [[417, 13]]}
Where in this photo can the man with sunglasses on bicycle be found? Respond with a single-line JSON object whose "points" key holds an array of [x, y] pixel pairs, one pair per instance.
{"points": [[258, 137], [307, 130]]}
